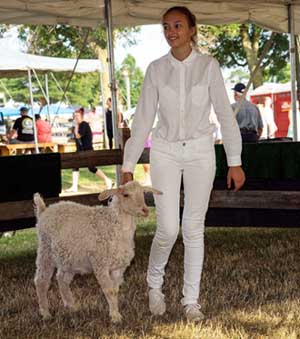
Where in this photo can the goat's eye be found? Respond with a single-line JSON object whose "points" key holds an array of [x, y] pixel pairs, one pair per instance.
{"points": [[125, 195]]}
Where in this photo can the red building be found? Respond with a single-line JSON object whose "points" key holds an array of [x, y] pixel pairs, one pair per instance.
{"points": [[281, 103]]}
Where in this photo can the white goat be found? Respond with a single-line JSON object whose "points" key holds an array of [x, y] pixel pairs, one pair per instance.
{"points": [[79, 239]]}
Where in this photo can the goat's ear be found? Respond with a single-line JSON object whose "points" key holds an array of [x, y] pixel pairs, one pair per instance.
{"points": [[107, 193], [152, 190]]}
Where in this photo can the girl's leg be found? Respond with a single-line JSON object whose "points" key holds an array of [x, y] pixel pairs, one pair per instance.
{"points": [[166, 177], [198, 176], [110, 141], [75, 180], [100, 174]]}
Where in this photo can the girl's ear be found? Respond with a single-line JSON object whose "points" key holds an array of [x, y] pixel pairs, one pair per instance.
{"points": [[193, 31]]}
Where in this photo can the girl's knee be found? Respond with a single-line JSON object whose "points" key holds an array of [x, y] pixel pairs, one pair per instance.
{"points": [[166, 237], [193, 232]]}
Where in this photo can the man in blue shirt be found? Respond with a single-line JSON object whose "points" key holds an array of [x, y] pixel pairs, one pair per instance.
{"points": [[248, 116]]}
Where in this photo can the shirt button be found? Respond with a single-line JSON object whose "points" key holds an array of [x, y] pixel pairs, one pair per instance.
{"points": [[183, 144]]}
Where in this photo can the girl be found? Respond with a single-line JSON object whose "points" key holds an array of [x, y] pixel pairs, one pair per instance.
{"points": [[84, 142], [180, 87]]}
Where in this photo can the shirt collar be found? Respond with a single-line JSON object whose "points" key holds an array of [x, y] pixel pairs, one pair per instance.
{"points": [[187, 60]]}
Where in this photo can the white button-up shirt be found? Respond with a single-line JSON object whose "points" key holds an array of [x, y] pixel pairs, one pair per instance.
{"points": [[180, 93]]}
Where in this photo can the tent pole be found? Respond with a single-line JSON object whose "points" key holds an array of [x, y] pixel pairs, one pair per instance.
{"points": [[297, 45], [293, 70], [102, 99], [113, 88], [33, 117], [47, 95], [42, 89]]}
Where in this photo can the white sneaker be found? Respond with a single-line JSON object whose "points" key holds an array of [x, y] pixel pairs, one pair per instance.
{"points": [[157, 303], [193, 313], [72, 190], [109, 184]]}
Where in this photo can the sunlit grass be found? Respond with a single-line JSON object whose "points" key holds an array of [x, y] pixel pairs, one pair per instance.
{"points": [[250, 289]]}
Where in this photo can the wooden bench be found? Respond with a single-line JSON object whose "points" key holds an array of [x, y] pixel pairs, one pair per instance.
{"points": [[71, 147], [66, 148], [13, 149]]}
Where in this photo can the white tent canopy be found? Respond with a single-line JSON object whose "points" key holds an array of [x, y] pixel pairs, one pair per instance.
{"points": [[270, 14], [14, 63]]}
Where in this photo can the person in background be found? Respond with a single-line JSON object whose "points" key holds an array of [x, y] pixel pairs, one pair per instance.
{"points": [[267, 115], [179, 88], [84, 142], [22, 131], [248, 116], [42, 103], [43, 129], [94, 120], [290, 132], [109, 122]]}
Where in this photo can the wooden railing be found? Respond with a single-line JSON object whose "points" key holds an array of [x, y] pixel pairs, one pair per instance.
{"points": [[265, 205], [13, 149]]}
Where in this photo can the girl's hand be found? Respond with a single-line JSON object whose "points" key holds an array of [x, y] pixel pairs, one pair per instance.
{"points": [[126, 177], [237, 175]]}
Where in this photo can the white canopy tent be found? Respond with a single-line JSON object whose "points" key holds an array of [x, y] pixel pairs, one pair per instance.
{"points": [[276, 15], [270, 14], [16, 63]]}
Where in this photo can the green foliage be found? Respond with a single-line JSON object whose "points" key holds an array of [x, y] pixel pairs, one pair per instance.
{"points": [[18, 88], [282, 76], [67, 41], [136, 80], [81, 83], [238, 75], [232, 49]]}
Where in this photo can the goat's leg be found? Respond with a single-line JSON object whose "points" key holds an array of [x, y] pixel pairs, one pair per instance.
{"points": [[45, 269], [117, 277], [64, 279], [111, 293]]}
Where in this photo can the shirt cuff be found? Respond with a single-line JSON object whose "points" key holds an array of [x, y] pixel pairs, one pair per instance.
{"points": [[128, 167], [234, 161]]}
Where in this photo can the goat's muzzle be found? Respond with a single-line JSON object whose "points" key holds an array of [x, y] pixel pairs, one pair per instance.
{"points": [[144, 212]]}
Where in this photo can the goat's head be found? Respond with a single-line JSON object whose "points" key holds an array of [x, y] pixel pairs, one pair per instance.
{"points": [[131, 197]]}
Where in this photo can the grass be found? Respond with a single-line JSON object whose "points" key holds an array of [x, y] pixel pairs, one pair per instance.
{"points": [[250, 289]]}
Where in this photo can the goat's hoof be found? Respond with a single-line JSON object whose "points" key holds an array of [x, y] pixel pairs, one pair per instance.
{"points": [[116, 317]]}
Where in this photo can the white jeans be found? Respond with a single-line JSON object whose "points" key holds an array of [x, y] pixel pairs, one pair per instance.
{"points": [[195, 160]]}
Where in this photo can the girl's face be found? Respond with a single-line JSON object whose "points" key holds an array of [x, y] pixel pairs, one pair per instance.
{"points": [[177, 31], [78, 117]]}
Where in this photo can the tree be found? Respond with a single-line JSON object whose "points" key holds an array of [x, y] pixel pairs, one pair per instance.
{"points": [[241, 45], [136, 80], [81, 83], [238, 75], [67, 41]]}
